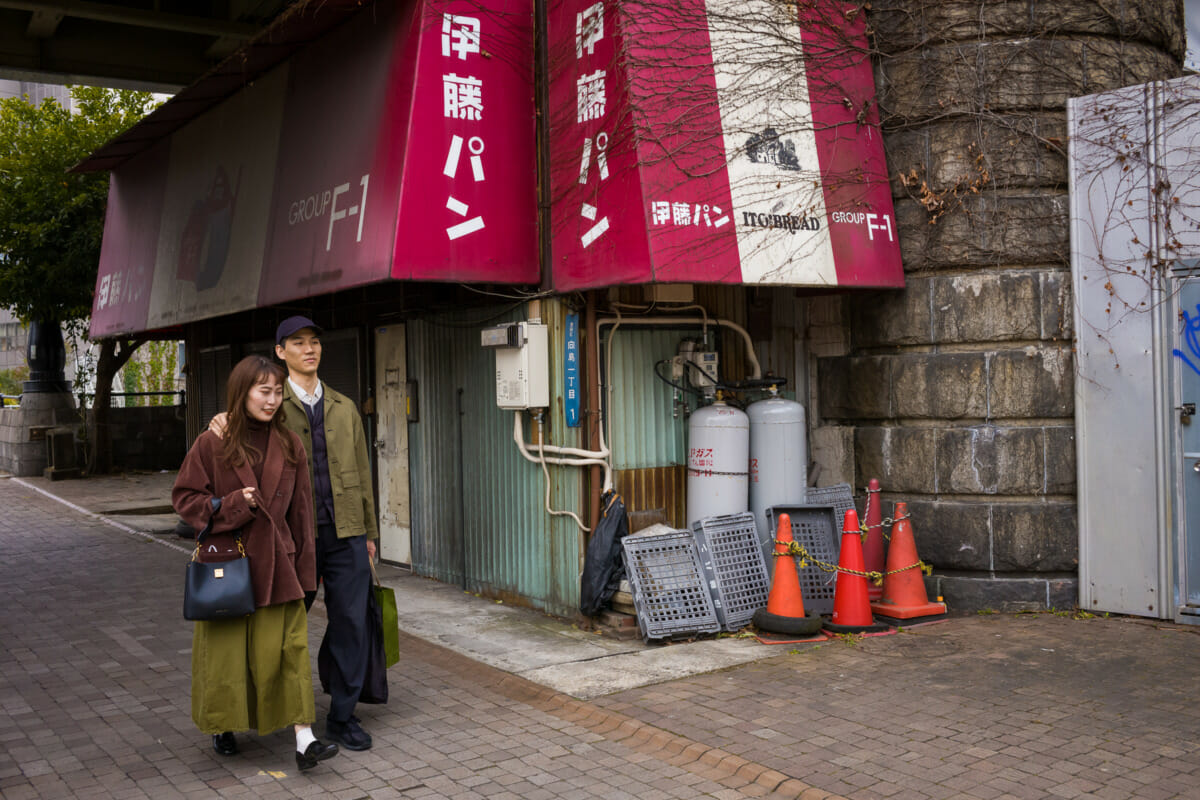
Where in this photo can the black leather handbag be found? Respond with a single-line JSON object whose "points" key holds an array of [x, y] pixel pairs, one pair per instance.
{"points": [[221, 590]]}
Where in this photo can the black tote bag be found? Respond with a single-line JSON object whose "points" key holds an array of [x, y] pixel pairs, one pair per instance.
{"points": [[375, 688]]}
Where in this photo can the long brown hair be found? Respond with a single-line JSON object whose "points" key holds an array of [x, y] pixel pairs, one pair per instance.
{"points": [[250, 372]]}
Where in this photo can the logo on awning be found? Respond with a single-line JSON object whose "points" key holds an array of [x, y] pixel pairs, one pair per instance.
{"points": [[768, 148]]}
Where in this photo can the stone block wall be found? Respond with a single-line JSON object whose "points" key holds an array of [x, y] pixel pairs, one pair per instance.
{"points": [[144, 438], [148, 437], [957, 392]]}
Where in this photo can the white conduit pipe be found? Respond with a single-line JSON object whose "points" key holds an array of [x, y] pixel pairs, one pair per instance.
{"points": [[518, 435], [673, 309], [543, 459], [751, 357], [586, 457], [546, 473]]}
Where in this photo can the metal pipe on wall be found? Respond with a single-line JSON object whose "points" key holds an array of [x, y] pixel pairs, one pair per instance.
{"points": [[593, 411]]}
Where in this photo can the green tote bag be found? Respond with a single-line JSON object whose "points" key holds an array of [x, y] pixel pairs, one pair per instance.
{"points": [[385, 596]]}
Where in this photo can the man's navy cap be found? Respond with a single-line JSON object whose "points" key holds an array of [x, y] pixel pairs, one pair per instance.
{"points": [[292, 324]]}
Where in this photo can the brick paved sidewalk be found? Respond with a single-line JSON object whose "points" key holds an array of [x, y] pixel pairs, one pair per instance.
{"points": [[94, 699], [982, 707], [94, 703]]}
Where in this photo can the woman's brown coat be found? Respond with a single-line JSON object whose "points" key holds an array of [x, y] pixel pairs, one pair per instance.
{"points": [[278, 538]]}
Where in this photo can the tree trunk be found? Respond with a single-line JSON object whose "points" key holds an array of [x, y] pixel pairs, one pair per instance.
{"points": [[113, 355]]}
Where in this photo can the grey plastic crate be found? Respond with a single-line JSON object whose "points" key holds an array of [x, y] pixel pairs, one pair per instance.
{"points": [[669, 592], [733, 565], [813, 527], [840, 496]]}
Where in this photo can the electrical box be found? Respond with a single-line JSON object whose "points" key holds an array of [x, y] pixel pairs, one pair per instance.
{"points": [[706, 368], [669, 293], [522, 364]]}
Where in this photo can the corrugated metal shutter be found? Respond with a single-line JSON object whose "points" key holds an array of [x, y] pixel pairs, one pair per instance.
{"points": [[643, 429], [478, 519], [213, 372], [339, 363], [339, 360], [263, 347]]}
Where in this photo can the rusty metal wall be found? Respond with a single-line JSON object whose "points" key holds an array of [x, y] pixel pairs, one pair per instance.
{"points": [[655, 489], [727, 302]]}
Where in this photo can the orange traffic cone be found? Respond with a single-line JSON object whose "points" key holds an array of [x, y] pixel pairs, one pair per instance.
{"points": [[904, 594], [785, 602], [873, 545], [851, 606]]}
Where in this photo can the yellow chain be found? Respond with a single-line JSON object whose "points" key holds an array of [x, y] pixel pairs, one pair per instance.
{"points": [[797, 550], [864, 528]]}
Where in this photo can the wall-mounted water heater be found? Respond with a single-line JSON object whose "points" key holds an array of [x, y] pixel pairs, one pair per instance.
{"points": [[522, 364]]}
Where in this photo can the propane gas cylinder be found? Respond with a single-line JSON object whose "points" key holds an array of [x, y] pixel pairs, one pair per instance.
{"points": [[718, 461]]}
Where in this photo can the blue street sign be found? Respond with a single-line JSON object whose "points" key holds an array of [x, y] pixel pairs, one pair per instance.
{"points": [[571, 371]]}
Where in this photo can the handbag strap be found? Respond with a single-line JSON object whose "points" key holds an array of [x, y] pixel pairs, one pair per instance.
{"points": [[216, 506], [374, 574], [200, 537], [238, 539]]}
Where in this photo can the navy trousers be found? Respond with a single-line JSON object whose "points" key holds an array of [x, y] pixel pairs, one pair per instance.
{"points": [[343, 567]]}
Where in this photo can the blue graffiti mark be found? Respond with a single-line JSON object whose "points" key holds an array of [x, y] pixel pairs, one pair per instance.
{"points": [[1191, 335], [1187, 361]]}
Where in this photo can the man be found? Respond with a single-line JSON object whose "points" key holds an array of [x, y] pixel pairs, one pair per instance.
{"points": [[331, 429]]}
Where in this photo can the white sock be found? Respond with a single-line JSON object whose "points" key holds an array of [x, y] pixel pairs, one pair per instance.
{"points": [[304, 737]]}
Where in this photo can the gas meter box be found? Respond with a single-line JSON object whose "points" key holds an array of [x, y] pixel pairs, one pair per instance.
{"points": [[706, 372], [522, 364]]}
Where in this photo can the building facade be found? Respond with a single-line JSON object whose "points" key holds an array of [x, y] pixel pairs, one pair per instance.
{"points": [[919, 308]]}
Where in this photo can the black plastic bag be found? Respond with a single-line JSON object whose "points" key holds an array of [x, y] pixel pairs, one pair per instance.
{"points": [[375, 687], [603, 567]]}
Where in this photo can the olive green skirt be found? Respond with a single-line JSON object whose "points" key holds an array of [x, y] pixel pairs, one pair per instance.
{"points": [[253, 672]]}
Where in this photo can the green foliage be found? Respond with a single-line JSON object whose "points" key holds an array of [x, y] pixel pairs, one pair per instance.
{"points": [[12, 381], [153, 371], [51, 221]]}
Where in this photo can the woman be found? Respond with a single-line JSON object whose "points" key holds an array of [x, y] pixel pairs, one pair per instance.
{"points": [[254, 672]]}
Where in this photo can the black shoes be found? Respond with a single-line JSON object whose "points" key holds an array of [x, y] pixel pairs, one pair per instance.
{"points": [[316, 751], [224, 744], [349, 735]]}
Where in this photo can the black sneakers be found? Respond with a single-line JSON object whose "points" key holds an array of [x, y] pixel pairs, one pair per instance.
{"points": [[349, 735]]}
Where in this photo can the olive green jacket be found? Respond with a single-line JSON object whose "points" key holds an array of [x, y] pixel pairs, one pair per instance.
{"points": [[349, 460]]}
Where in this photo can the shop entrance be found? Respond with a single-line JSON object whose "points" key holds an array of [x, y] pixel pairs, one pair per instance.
{"points": [[391, 444]]}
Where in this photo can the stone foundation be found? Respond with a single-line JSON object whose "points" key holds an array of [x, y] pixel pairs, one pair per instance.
{"points": [[148, 437], [959, 390], [144, 438], [23, 428]]}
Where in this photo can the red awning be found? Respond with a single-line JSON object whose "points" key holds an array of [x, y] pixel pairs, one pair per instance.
{"points": [[398, 144], [726, 141]]}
